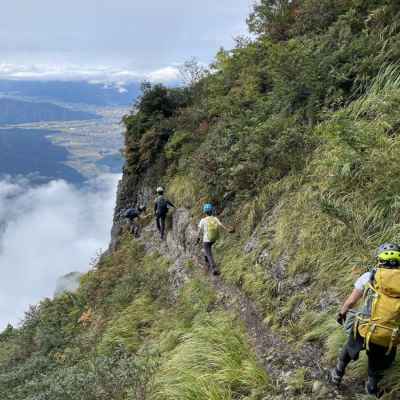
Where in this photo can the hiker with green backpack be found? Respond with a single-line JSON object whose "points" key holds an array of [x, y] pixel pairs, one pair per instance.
{"points": [[376, 326], [209, 230]]}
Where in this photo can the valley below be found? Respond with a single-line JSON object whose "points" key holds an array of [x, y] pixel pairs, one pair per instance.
{"points": [[60, 162], [87, 147]]}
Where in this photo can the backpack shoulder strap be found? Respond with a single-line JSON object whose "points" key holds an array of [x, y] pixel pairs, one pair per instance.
{"points": [[371, 282], [373, 274], [214, 219]]}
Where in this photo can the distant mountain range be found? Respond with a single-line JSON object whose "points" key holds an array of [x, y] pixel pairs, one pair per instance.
{"points": [[82, 92], [14, 111], [30, 153]]}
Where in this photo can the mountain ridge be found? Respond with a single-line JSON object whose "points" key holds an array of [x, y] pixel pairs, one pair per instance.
{"points": [[14, 111], [78, 92], [30, 153]]}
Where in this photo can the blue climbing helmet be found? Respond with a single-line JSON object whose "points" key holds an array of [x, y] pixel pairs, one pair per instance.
{"points": [[208, 208]]}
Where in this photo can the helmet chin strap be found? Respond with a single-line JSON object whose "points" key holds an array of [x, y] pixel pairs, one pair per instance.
{"points": [[389, 264]]}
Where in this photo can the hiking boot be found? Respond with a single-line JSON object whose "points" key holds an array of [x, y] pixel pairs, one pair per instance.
{"points": [[336, 376], [371, 387]]}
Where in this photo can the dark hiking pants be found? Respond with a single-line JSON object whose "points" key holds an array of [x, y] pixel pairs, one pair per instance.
{"points": [[160, 220], [209, 255], [133, 226], [135, 229], [378, 360]]}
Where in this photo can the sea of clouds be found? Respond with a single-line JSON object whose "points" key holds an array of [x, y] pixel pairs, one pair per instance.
{"points": [[46, 232]]}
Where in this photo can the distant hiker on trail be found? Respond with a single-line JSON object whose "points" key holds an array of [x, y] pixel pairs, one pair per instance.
{"points": [[209, 229], [376, 326], [131, 214], [161, 207]]}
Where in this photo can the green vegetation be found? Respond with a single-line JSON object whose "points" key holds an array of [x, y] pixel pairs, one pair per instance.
{"points": [[211, 362], [120, 336], [294, 135]]}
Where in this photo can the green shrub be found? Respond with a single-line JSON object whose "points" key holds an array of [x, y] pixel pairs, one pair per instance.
{"points": [[175, 144]]}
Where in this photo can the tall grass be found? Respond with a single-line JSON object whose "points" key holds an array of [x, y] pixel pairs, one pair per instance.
{"points": [[325, 222], [183, 191], [212, 362], [128, 329], [381, 90]]}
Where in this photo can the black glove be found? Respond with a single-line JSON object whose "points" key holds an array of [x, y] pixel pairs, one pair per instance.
{"points": [[341, 318]]}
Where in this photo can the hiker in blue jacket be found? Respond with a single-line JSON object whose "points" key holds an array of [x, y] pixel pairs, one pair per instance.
{"points": [[161, 208]]}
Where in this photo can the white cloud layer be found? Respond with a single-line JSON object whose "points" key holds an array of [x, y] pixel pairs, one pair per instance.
{"points": [[47, 232], [98, 74]]}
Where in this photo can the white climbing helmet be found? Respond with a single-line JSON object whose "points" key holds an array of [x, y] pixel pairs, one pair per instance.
{"points": [[160, 189]]}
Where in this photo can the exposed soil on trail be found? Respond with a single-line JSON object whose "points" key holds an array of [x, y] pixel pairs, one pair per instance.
{"points": [[279, 358]]}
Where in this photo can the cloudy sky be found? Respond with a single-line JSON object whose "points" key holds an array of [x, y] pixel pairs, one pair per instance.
{"points": [[49, 38], [46, 232]]}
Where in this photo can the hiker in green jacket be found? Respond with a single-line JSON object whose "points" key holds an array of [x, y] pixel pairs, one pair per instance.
{"points": [[209, 228], [161, 208], [376, 327]]}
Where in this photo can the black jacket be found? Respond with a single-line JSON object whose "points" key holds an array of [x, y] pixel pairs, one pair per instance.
{"points": [[161, 206]]}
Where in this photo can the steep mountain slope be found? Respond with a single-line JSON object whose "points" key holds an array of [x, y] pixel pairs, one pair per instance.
{"points": [[294, 136]]}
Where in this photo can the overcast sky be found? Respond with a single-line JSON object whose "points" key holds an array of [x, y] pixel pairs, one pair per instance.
{"points": [[135, 36]]}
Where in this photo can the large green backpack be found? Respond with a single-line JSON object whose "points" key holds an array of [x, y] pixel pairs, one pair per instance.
{"points": [[212, 229]]}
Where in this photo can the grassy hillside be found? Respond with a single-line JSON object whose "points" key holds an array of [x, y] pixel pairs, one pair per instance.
{"points": [[294, 136]]}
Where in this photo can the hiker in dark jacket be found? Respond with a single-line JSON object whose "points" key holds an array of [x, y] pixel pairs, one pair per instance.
{"points": [[132, 214], [161, 207]]}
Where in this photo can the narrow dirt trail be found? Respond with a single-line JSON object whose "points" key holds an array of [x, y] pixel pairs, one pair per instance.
{"points": [[278, 357]]}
